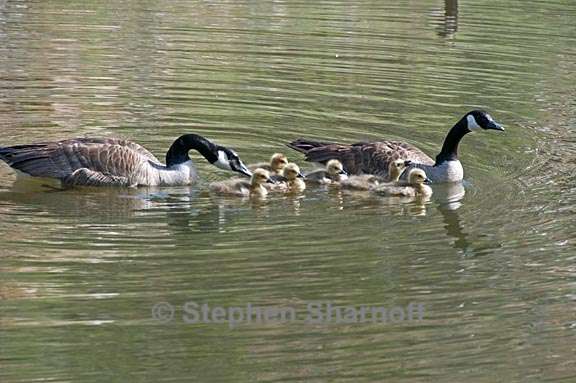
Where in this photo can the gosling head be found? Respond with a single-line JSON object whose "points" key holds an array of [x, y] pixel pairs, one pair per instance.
{"points": [[335, 168], [418, 177], [396, 168], [292, 171], [278, 161], [261, 176], [479, 119]]}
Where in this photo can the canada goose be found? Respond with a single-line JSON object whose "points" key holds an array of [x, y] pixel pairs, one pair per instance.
{"points": [[333, 173], [244, 188], [277, 162], [415, 186], [369, 181], [374, 157], [291, 180], [116, 162]]}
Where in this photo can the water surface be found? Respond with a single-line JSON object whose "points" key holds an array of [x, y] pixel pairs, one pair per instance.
{"points": [[493, 264]]}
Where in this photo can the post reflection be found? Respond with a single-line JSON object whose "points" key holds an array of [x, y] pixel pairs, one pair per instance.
{"points": [[449, 25]]}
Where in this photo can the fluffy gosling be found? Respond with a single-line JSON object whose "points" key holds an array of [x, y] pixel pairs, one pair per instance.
{"points": [[333, 174], [277, 162], [367, 182], [292, 179], [243, 188], [416, 186]]}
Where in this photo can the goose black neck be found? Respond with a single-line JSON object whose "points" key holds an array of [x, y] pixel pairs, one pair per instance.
{"points": [[178, 152], [449, 150]]}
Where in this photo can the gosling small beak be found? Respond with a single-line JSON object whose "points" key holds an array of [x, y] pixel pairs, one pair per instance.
{"points": [[407, 163], [427, 181], [300, 175], [343, 172], [494, 126], [270, 181]]}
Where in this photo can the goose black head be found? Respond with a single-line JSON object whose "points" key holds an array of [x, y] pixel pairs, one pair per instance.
{"points": [[227, 159], [479, 119]]}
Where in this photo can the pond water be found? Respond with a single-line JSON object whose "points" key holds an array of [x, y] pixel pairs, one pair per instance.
{"points": [[491, 264]]}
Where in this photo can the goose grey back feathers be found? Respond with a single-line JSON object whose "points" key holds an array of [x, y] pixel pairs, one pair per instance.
{"points": [[115, 162]]}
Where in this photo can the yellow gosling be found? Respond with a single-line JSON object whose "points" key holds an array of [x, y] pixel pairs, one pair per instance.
{"points": [[243, 188], [333, 174], [277, 162], [367, 182], [416, 186]]}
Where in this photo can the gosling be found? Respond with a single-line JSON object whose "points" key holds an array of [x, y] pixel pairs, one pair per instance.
{"points": [[416, 186], [367, 182], [277, 162], [242, 188], [291, 180], [333, 174]]}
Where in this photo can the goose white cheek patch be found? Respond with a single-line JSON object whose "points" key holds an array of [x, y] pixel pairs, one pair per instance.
{"points": [[472, 124], [223, 162]]}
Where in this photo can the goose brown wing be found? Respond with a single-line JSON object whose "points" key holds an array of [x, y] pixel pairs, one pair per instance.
{"points": [[362, 157], [109, 157]]}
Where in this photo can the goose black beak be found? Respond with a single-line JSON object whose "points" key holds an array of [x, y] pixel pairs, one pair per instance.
{"points": [[300, 175], [343, 172], [427, 181], [243, 169], [494, 126], [270, 181]]}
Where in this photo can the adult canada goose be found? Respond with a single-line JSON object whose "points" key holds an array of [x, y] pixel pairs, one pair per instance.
{"points": [[365, 182], [291, 180], [117, 162], [244, 188], [334, 173], [277, 162], [374, 157], [415, 187]]}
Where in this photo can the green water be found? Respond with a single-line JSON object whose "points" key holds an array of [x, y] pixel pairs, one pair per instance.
{"points": [[492, 265]]}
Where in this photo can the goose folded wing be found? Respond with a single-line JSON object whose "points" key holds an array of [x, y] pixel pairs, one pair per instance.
{"points": [[117, 158]]}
